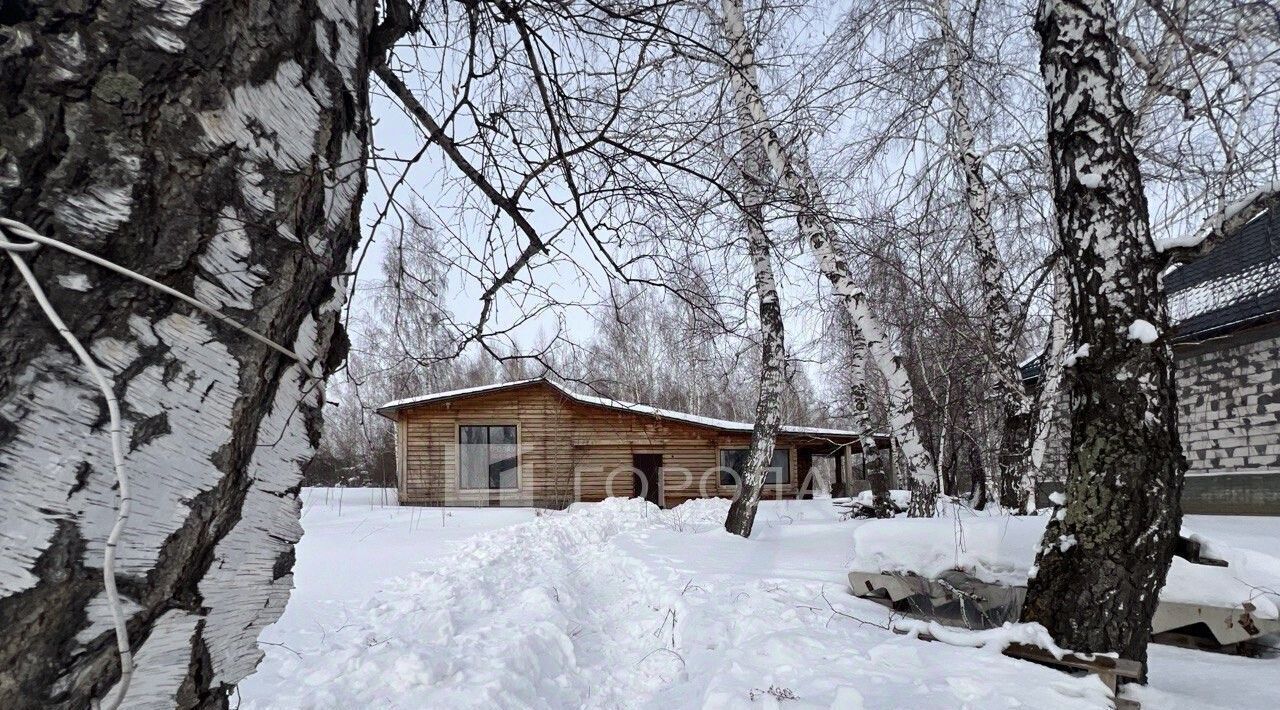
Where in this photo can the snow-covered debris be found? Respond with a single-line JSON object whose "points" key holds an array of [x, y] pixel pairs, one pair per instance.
{"points": [[899, 498], [1002, 550], [862, 505], [997, 639], [1143, 331], [997, 550]]}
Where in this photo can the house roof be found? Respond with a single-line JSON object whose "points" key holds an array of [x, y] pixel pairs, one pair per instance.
{"points": [[1234, 286], [614, 404]]}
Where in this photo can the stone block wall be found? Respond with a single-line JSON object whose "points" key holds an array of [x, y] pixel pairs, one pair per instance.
{"points": [[1229, 397], [1229, 401]]}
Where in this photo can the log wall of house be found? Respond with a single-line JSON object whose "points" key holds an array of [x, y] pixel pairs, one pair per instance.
{"points": [[568, 451]]}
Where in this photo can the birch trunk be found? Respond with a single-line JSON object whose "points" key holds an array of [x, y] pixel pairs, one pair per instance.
{"points": [[818, 228], [872, 466], [742, 513], [1015, 405], [1050, 396], [978, 492], [217, 147], [1106, 552]]}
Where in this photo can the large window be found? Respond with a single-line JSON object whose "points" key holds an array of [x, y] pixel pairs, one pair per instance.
{"points": [[487, 457], [733, 467]]}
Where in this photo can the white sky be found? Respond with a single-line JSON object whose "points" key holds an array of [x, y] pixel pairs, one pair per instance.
{"points": [[465, 229], [431, 181]]}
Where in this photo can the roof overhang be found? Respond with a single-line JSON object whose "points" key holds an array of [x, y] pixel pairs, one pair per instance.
{"points": [[390, 409]]}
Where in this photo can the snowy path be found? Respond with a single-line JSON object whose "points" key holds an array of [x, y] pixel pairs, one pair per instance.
{"points": [[355, 541], [622, 605]]}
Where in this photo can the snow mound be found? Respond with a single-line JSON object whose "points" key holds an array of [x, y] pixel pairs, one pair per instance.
{"points": [[533, 617], [703, 513], [1001, 550]]}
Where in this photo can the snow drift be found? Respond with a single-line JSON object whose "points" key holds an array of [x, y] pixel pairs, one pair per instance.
{"points": [[623, 605]]}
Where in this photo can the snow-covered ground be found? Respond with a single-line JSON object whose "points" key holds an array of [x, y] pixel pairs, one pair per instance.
{"points": [[1183, 679], [620, 604]]}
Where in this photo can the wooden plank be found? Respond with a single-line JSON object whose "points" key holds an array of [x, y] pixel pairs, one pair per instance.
{"points": [[1119, 667], [629, 443], [1108, 669], [1192, 551]]}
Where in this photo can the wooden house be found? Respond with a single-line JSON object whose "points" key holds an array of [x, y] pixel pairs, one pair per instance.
{"points": [[535, 442]]}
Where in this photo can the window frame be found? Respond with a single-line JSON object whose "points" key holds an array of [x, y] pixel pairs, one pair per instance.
{"points": [[720, 467], [457, 459]]}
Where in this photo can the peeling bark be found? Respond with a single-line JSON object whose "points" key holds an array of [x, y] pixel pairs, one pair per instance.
{"points": [[1106, 552], [818, 228], [218, 148]]}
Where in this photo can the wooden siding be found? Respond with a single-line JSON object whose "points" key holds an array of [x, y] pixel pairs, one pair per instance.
{"points": [[568, 451]]}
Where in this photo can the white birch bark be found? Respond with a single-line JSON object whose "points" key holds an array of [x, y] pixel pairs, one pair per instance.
{"points": [[768, 417], [1050, 396], [872, 462], [1016, 405], [217, 147], [818, 228]]}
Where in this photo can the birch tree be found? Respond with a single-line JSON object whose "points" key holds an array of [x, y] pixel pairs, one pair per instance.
{"points": [[1049, 398], [768, 415], [1015, 403], [215, 148], [873, 468], [1107, 550], [819, 230]]}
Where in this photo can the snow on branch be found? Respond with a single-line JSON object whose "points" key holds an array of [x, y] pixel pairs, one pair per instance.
{"points": [[997, 640], [1226, 221]]}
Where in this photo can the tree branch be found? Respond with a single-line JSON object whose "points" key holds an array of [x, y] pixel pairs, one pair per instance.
{"points": [[1227, 220]]}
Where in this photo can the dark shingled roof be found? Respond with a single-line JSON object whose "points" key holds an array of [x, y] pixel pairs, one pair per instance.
{"points": [[1234, 286]]}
